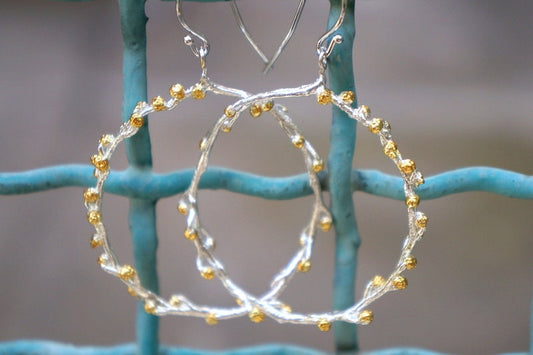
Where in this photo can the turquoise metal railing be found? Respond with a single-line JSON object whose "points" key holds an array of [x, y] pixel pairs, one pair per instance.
{"points": [[144, 188]]}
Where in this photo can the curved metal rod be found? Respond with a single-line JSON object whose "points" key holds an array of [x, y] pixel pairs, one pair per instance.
{"points": [[204, 49], [320, 46], [288, 36], [138, 184]]}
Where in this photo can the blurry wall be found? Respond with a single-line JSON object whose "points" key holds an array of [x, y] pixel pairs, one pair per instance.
{"points": [[453, 77]]}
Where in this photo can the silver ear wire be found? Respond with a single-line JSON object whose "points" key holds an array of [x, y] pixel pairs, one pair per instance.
{"points": [[269, 63], [201, 51], [321, 46]]}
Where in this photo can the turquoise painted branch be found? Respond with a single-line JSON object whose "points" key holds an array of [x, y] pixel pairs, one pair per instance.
{"points": [[154, 186]]}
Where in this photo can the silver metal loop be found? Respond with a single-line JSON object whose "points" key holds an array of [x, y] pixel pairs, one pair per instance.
{"points": [[201, 51], [321, 42]]}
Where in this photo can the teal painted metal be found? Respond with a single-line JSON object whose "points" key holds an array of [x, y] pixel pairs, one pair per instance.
{"points": [[342, 146], [144, 188]]}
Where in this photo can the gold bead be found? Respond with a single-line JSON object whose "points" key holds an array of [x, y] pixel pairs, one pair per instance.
{"points": [[226, 127], [318, 165], [94, 217], [286, 308], [239, 302], [150, 306], [136, 120], [365, 110], [198, 92], [175, 301], [421, 220], [407, 166], [420, 179], [126, 273], [412, 201], [377, 281], [399, 282], [229, 112], [158, 103], [324, 97], [255, 110], [105, 139], [139, 106], [391, 149], [182, 208], [177, 91], [208, 273], [375, 125], [267, 106], [324, 325], [211, 319], [325, 223], [102, 259], [203, 143], [190, 233], [347, 96], [298, 141], [90, 195], [366, 317], [100, 163], [256, 315], [96, 241], [132, 292], [410, 262], [304, 266]]}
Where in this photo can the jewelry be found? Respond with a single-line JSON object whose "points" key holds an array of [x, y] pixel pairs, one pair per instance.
{"points": [[269, 304]]}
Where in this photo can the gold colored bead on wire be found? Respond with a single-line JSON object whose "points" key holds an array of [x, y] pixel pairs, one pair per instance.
{"points": [[105, 139], [256, 315], [375, 125], [366, 317], [132, 292], [255, 110], [229, 112], [136, 120], [412, 201], [420, 179], [208, 273], [399, 282], [286, 308], [238, 301], [267, 106], [347, 97], [304, 266], [95, 241], [100, 163], [182, 208], [211, 319], [90, 195], [407, 166], [102, 259], [177, 91], [226, 127], [203, 143], [391, 149], [365, 110], [198, 92], [158, 103], [325, 223], [126, 273], [421, 220], [298, 141], [190, 233], [318, 165], [323, 97], [175, 301], [410, 262], [150, 306], [377, 281], [324, 325], [94, 217]]}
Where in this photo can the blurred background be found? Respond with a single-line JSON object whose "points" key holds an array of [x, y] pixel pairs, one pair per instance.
{"points": [[453, 77]]}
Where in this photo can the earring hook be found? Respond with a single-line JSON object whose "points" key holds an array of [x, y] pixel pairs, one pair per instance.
{"points": [[269, 63], [204, 48], [321, 47]]}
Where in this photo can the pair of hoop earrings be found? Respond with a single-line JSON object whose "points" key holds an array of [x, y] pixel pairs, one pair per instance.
{"points": [[210, 267]]}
